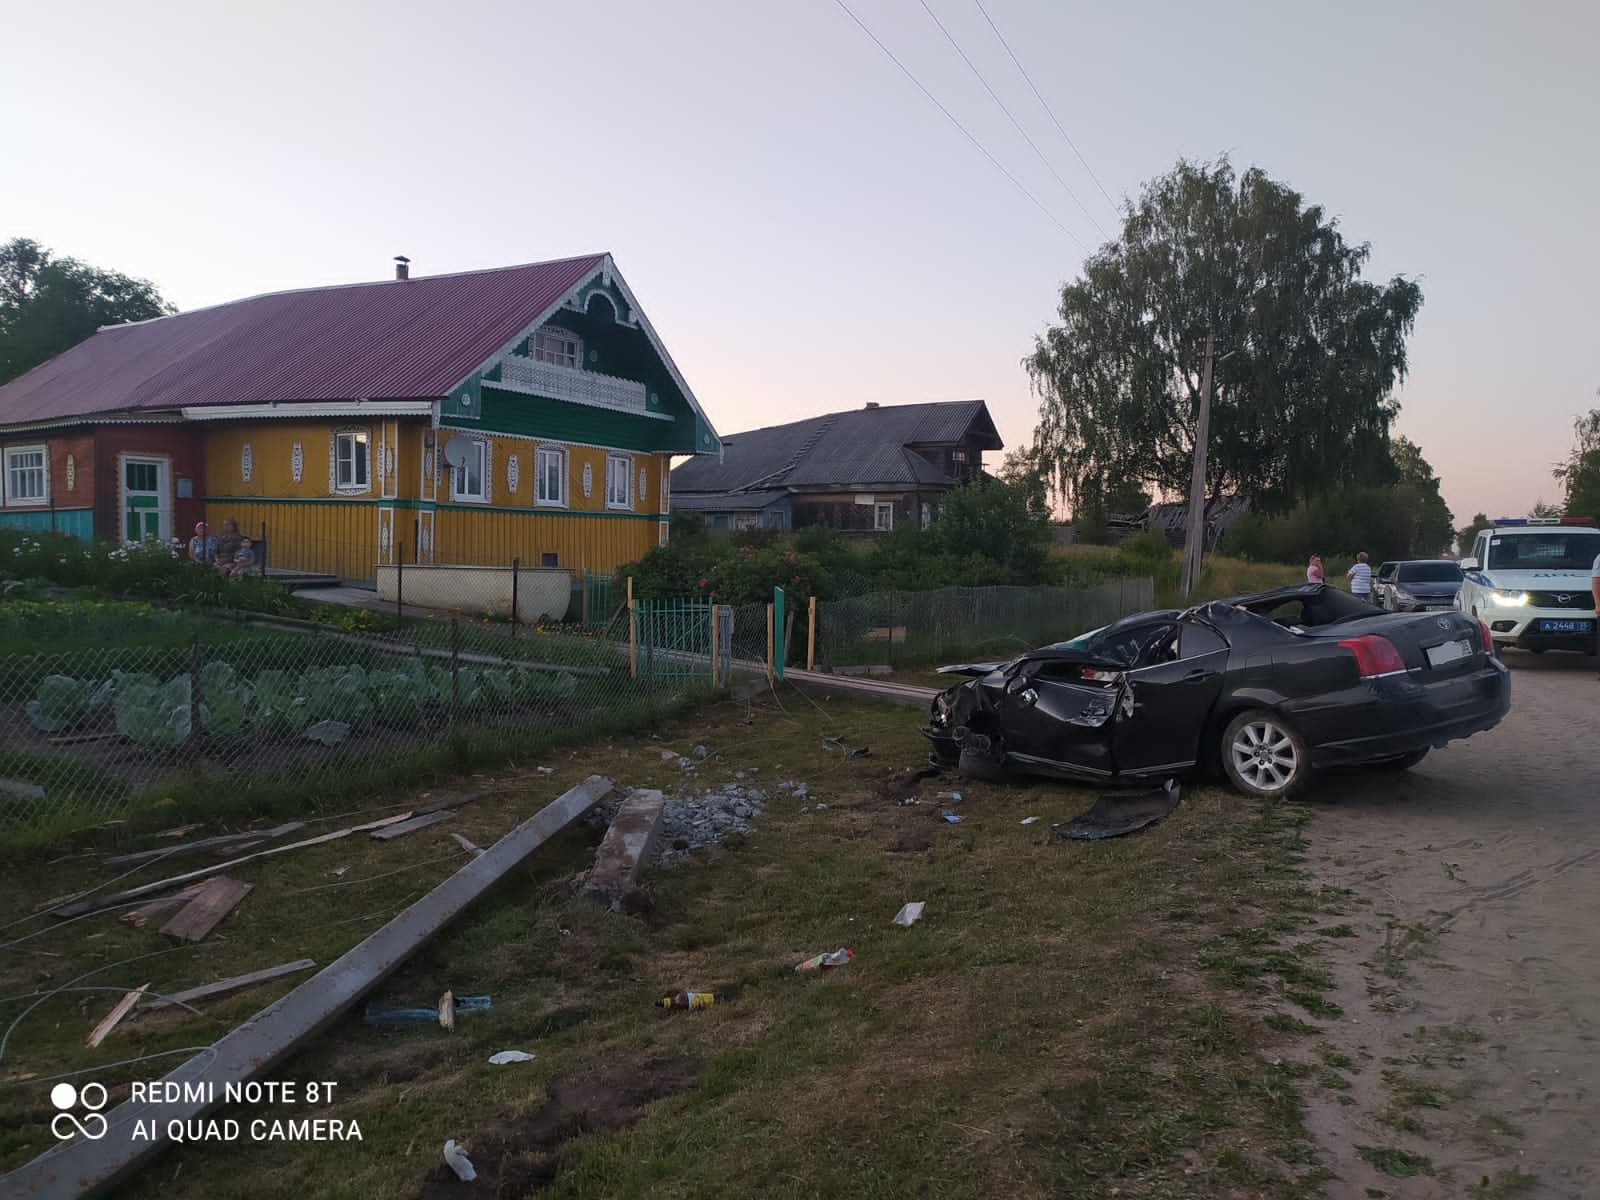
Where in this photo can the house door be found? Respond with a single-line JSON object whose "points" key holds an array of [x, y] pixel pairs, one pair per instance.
{"points": [[146, 499]]}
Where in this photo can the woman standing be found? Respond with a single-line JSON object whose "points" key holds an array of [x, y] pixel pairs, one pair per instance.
{"points": [[1314, 569]]}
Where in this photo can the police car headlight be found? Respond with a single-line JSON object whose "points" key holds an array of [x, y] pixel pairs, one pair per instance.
{"points": [[1509, 597]]}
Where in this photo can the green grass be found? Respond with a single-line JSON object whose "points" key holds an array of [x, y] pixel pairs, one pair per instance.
{"points": [[1396, 1163], [1042, 1031]]}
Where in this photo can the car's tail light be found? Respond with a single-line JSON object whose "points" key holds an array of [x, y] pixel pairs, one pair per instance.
{"points": [[1488, 640], [1374, 655]]}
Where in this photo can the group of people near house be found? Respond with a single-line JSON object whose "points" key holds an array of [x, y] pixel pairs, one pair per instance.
{"points": [[230, 554], [1359, 575]]}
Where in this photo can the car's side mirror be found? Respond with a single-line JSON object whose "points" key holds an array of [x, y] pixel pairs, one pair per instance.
{"points": [[1469, 564]]}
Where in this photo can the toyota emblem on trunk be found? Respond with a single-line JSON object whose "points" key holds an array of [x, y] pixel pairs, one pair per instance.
{"points": [[1442, 622]]}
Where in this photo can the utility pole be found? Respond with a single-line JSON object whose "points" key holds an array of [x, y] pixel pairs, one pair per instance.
{"points": [[1194, 540]]}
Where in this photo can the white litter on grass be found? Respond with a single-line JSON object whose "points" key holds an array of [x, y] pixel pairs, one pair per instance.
{"points": [[1027, 820], [510, 1056], [910, 914], [456, 1159]]}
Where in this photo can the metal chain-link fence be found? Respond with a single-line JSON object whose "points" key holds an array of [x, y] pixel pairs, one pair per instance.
{"points": [[200, 703], [926, 628]]}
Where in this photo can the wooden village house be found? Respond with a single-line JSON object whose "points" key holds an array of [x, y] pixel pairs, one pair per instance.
{"points": [[525, 412]]}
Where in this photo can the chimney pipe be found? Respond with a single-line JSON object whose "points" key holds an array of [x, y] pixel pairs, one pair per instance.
{"points": [[872, 404], [402, 267]]}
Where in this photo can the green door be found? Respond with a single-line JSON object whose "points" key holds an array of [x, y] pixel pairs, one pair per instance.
{"points": [[144, 502]]}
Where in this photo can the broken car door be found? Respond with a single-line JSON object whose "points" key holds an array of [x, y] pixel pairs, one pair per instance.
{"points": [[1159, 722], [1056, 712]]}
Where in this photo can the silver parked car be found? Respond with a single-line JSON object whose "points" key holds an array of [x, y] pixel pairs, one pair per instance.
{"points": [[1423, 584]]}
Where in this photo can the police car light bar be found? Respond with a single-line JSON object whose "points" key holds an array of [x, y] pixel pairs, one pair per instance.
{"points": [[1501, 522]]}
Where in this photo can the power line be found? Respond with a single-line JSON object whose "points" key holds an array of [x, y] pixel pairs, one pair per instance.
{"points": [[1048, 109], [984, 151], [1014, 122]]}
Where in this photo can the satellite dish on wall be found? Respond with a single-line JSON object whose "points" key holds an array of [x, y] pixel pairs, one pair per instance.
{"points": [[457, 451]]}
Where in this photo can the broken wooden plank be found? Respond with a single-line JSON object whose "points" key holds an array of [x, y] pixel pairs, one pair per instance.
{"points": [[222, 840], [223, 987], [447, 1011], [85, 1167], [91, 903], [411, 826], [215, 900], [116, 1014], [451, 802], [160, 908], [467, 844]]}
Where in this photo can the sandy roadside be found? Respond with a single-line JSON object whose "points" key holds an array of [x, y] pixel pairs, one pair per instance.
{"points": [[1471, 989]]}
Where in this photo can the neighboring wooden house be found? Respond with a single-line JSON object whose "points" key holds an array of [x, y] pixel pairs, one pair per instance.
{"points": [[866, 470], [524, 412]]}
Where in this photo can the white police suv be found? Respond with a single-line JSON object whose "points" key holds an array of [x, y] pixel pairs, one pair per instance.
{"points": [[1527, 579]]}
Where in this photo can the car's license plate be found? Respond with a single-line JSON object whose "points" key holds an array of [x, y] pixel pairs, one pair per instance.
{"points": [[1565, 626], [1448, 652]]}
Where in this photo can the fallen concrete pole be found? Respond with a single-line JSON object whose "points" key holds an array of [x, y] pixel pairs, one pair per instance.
{"points": [[84, 1167], [627, 844]]}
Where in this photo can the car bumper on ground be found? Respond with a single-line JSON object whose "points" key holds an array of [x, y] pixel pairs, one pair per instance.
{"points": [[1394, 715]]}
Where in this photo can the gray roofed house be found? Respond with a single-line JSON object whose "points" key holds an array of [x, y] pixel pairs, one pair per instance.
{"points": [[864, 470]]}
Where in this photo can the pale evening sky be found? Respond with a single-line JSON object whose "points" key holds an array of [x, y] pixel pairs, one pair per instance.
{"points": [[805, 228]]}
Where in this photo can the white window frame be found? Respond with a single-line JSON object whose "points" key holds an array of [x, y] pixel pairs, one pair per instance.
{"points": [[460, 476], [356, 437], [883, 516], [619, 469], [543, 457], [12, 500], [558, 347]]}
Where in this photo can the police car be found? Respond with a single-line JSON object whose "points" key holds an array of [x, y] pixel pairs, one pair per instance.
{"points": [[1527, 579]]}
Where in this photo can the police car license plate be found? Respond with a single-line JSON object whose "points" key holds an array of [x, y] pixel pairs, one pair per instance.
{"points": [[1565, 626], [1448, 652]]}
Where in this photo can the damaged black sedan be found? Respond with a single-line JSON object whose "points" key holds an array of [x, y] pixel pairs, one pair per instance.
{"points": [[1263, 688]]}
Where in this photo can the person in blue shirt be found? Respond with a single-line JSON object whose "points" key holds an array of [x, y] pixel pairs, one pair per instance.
{"points": [[202, 546]]}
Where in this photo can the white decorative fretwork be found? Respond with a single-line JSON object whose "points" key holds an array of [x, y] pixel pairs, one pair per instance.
{"points": [[588, 479], [247, 462], [521, 374], [513, 473], [643, 482], [72, 473], [297, 461]]}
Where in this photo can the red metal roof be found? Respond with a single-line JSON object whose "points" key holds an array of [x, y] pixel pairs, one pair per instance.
{"points": [[391, 340]]}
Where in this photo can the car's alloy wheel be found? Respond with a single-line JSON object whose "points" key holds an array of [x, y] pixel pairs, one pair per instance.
{"points": [[1263, 756]]}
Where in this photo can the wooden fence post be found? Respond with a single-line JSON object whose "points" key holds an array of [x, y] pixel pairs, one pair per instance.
{"points": [[711, 611], [811, 635], [399, 582], [515, 564], [633, 634]]}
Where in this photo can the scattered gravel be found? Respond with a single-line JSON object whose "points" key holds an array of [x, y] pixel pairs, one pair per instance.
{"points": [[698, 818]]}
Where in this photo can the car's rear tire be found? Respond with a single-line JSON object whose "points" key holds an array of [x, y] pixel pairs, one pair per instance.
{"points": [[1263, 756], [1400, 762]]}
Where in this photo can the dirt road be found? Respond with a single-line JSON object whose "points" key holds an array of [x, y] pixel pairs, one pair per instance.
{"points": [[1471, 989]]}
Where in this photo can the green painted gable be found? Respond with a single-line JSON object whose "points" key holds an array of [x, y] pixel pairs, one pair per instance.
{"points": [[614, 344]]}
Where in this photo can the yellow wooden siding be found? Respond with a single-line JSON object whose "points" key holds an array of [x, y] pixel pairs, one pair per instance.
{"points": [[335, 538], [396, 446], [310, 528], [490, 539]]}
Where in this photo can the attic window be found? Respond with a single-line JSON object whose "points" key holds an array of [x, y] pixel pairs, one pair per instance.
{"points": [[959, 456], [557, 347]]}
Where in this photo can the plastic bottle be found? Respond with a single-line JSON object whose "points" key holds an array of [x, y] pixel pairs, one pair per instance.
{"points": [[691, 1000], [821, 962]]}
